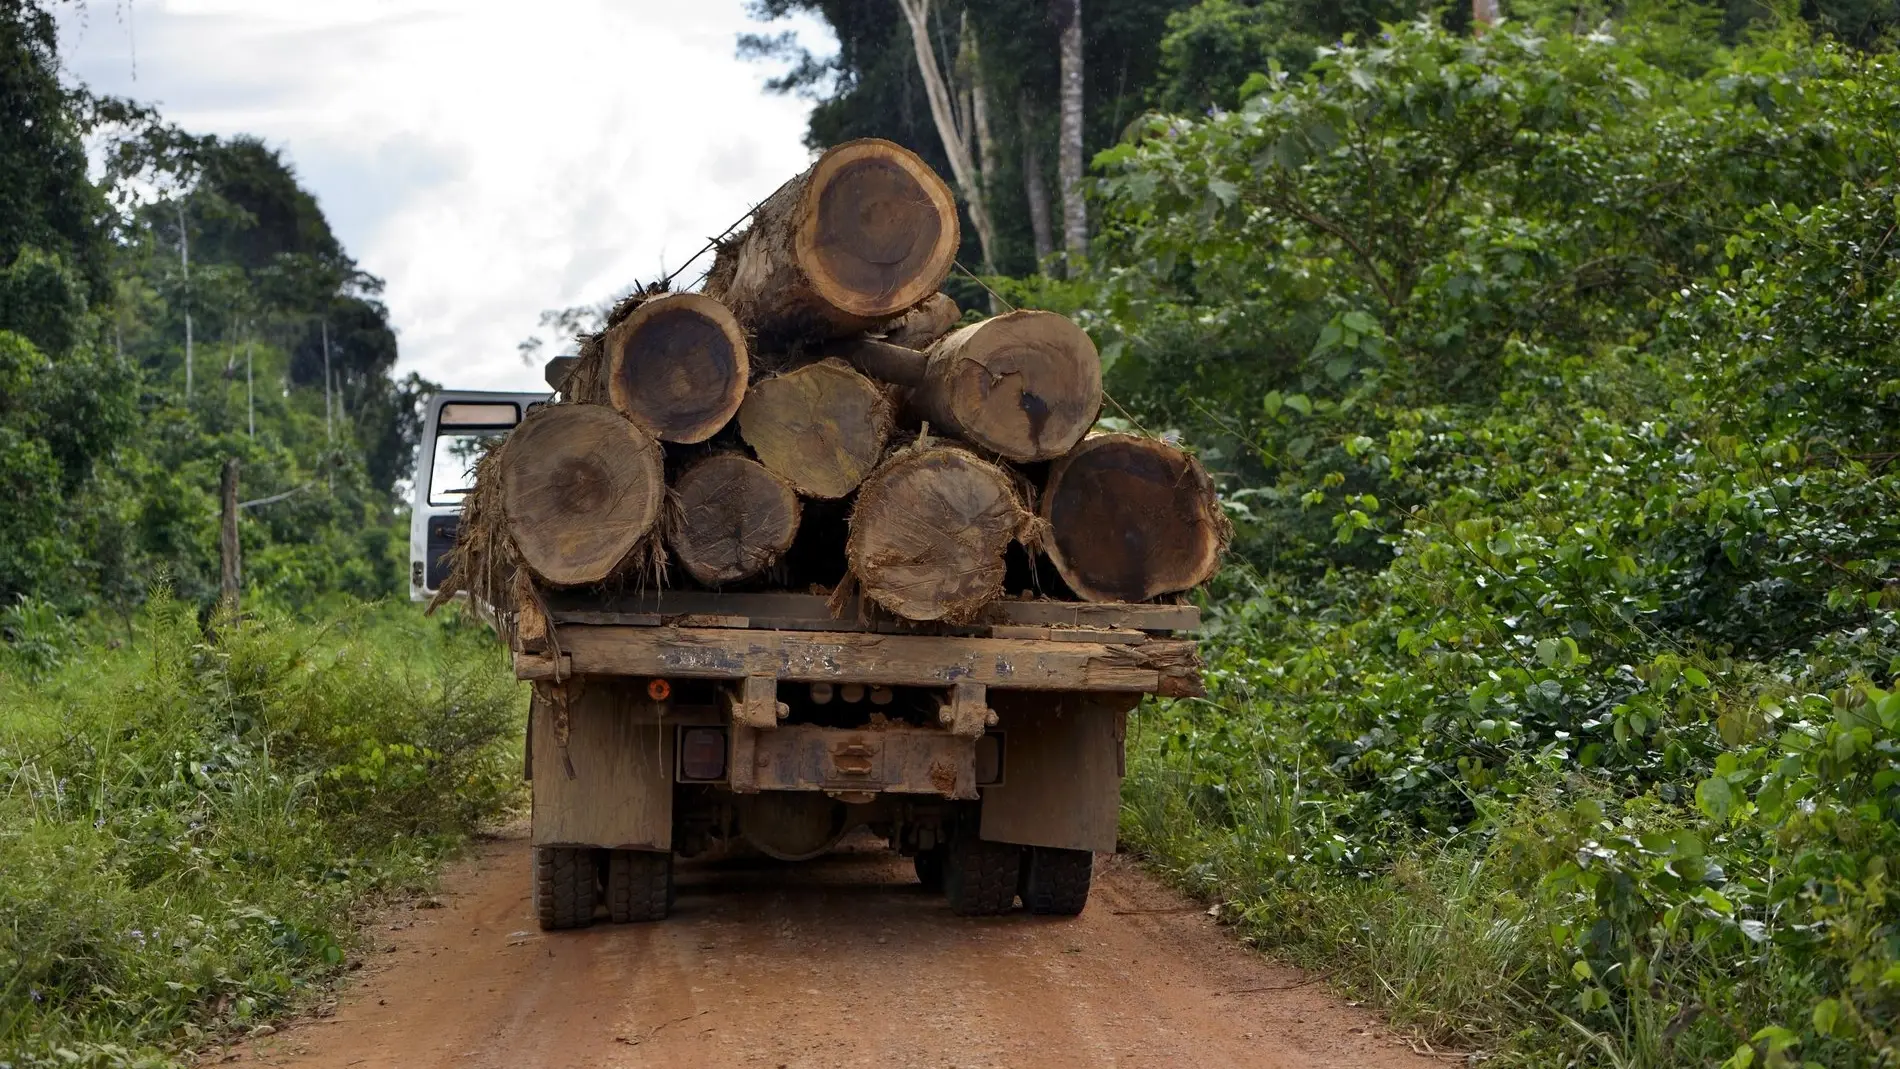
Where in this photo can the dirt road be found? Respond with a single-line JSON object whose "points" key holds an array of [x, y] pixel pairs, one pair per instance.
{"points": [[840, 962]]}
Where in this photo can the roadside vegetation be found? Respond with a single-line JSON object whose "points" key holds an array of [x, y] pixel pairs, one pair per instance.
{"points": [[1555, 384], [191, 820]]}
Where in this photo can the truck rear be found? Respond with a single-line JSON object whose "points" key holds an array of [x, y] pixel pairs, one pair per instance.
{"points": [[674, 724]]}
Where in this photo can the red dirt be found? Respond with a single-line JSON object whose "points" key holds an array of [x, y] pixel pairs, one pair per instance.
{"points": [[843, 961]]}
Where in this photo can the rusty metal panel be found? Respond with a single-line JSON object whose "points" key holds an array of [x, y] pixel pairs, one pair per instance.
{"points": [[902, 760], [1062, 770]]}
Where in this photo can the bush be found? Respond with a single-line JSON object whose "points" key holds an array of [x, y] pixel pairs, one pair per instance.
{"points": [[189, 820]]}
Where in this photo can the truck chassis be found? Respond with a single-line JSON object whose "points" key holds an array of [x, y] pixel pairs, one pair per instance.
{"points": [[665, 725]]}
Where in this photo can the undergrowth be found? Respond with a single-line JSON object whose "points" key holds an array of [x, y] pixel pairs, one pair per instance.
{"points": [[190, 816]]}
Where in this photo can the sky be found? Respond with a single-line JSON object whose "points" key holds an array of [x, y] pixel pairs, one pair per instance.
{"points": [[487, 159]]}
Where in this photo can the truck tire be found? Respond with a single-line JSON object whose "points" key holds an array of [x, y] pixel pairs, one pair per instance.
{"points": [[929, 866], [979, 876], [639, 885], [1056, 882], [564, 887]]}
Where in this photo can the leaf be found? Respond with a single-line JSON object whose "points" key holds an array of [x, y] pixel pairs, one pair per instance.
{"points": [[1715, 798], [1826, 1014]]}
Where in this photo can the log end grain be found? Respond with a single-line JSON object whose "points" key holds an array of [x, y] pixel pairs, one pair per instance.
{"points": [[580, 487], [929, 532], [1027, 385], [1131, 519], [877, 229], [821, 427], [677, 366], [735, 520]]}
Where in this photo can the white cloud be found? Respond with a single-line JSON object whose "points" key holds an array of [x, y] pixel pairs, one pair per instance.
{"points": [[487, 159]]}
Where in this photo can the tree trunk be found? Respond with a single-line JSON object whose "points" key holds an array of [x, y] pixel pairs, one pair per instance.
{"points": [[867, 232], [1075, 220], [924, 324], [676, 367], [1484, 15], [929, 531], [735, 519], [821, 428], [955, 127], [580, 487], [230, 569], [1131, 518], [1033, 189], [1025, 386]]}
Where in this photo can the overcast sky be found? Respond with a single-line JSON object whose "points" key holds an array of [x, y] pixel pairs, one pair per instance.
{"points": [[488, 159]]}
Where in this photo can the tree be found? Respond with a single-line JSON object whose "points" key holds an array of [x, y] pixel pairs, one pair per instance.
{"points": [[1067, 15], [959, 105]]}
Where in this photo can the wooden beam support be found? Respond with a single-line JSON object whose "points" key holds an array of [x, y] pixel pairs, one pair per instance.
{"points": [[1158, 666], [754, 703], [811, 612], [966, 711]]}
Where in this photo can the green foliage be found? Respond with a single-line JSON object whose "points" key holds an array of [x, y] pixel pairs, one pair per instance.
{"points": [[189, 820], [1554, 384]]}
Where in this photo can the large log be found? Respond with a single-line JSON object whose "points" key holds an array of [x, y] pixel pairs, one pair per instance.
{"points": [[821, 427], [924, 324], [867, 232], [580, 487], [735, 519], [1131, 518], [929, 530], [1025, 386], [677, 367]]}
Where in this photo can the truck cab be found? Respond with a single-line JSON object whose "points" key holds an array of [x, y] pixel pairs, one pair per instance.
{"points": [[458, 426]]}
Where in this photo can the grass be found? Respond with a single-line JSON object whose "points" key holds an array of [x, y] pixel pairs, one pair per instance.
{"points": [[190, 818]]}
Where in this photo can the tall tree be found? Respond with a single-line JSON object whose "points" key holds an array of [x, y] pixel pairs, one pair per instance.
{"points": [[959, 107], [1075, 220]]}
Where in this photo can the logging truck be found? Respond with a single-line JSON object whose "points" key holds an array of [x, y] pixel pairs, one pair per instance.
{"points": [[669, 723]]}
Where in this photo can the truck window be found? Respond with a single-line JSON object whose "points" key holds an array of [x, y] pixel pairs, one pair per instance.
{"points": [[452, 473], [464, 431]]}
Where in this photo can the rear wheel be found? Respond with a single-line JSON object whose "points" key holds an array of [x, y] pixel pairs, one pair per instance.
{"points": [[1056, 882], [564, 887], [639, 885], [929, 865], [979, 876]]}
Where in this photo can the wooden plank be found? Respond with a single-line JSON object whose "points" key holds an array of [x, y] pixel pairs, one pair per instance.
{"points": [[1062, 771], [1071, 634], [612, 785], [891, 660], [788, 611]]}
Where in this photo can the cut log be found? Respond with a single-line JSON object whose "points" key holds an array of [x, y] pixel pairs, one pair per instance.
{"points": [[866, 233], [676, 367], [1025, 386], [1132, 518], [924, 324], [929, 530], [735, 519], [821, 427], [581, 485]]}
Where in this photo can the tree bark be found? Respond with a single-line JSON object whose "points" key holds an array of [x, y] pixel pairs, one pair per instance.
{"points": [[1075, 221], [1025, 386], [676, 367], [735, 519], [821, 427], [1131, 518], [1033, 189], [956, 128], [581, 485], [1484, 15], [229, 565], [924, 324], [867, 232], [929, 531]]}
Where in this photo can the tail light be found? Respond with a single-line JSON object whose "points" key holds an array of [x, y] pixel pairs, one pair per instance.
{"points": [[659, 689], [702, 754]]}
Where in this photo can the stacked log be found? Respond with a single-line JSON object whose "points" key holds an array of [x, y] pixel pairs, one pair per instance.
{"points": [[822, 417]]}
